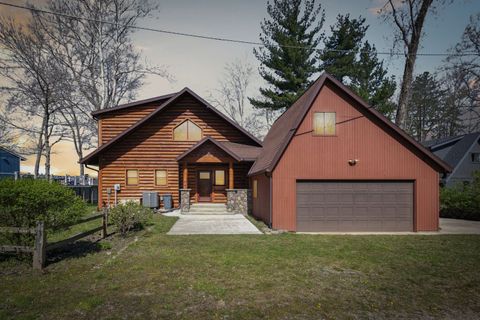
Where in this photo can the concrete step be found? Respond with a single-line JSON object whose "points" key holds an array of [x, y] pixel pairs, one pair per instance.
{"points": [[209, 208]]}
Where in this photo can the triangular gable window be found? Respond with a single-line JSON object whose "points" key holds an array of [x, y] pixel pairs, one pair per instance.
{"points": [[187, 131]]}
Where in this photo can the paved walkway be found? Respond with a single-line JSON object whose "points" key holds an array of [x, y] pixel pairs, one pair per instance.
{"points": [[457, 226], [213, 224]]}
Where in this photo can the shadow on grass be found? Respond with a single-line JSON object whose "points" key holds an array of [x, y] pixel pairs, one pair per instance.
{"points": [[75, 250]]}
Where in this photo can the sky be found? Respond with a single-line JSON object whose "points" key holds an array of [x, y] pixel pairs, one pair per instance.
{"points": [[199, 64]]}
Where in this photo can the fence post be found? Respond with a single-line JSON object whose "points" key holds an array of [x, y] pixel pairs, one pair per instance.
{"points": [[105, 222], [40, 246]]}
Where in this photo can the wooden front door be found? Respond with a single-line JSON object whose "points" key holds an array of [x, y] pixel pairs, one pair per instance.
{"points": [[204, 186]]}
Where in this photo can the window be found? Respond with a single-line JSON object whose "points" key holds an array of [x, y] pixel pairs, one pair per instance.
{"points": [[205, 175], [255, 188], [476, 157], [219, 177], [161, 177], [132, 177], [187, 131], [324, 123]]}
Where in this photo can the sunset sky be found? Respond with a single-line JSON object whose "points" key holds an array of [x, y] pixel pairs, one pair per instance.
{"points": [[199, 64]]}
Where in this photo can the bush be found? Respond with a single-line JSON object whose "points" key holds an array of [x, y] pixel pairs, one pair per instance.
{"points": [[461, 201], [128, 216], [24, 202]]}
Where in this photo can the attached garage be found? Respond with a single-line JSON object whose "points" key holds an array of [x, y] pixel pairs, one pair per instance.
{"points": [[329, 206]]}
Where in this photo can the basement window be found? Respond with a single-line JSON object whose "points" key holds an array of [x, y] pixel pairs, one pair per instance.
{"points": [[132, 177], [324, 123], [161, 177]]}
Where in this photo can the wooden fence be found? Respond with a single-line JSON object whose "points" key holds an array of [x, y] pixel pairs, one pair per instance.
{"points": [[41, 246]]}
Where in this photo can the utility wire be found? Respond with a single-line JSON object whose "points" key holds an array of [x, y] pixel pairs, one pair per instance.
{"points": [[215, 38]]}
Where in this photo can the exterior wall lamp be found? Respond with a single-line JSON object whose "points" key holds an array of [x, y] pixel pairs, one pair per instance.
{"points": [[352, 162]]}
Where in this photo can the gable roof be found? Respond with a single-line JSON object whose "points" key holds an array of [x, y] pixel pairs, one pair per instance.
{"points": [[93, 157], [461, 145], [162, 98], [284, 128], [239, 152], [13, 153]]}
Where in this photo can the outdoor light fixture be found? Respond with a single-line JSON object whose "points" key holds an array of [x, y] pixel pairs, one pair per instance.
{"points": [[352, 162]]}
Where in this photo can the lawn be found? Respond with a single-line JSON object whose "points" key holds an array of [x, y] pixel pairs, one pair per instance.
{"points": [[153, 275]]}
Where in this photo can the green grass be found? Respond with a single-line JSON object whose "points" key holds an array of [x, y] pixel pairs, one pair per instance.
{"points": [[153, 275]]}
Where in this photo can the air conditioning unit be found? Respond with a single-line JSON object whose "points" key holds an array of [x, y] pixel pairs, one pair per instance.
{"points": [[150, 199]]}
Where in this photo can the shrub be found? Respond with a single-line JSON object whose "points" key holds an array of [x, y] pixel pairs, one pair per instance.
{"points": [[461, 201], [24, 202], [128, 216]]}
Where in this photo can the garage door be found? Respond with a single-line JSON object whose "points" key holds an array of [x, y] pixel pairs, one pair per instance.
{"points": [[354, 206]]}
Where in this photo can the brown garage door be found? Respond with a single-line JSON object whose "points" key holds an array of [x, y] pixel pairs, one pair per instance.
{"points": [[354, 206]]}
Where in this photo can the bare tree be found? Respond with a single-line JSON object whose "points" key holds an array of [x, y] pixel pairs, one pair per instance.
{"points": [[232, 96], [464, 66], [102, 65], [32, 87], [408, 17]]}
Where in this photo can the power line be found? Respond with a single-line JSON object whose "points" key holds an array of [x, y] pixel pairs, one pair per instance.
{"points": [[216, 38]]}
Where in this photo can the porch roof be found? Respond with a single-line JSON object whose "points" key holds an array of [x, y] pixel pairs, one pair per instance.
{"points": [[239, 152]]}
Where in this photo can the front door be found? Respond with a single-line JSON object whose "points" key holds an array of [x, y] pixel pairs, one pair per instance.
{"points": [[204, 186]]}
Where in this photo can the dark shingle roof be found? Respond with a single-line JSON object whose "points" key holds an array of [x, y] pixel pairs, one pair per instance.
{"points": [[286, 125], [13, 153], [461, 145]]}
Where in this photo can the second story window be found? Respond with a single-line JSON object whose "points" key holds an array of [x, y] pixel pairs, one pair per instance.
{"points": [[187, 131], [476, 157], [324, 123]]}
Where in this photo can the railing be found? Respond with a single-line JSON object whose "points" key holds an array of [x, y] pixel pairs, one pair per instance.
{"points": [[41, 246]]}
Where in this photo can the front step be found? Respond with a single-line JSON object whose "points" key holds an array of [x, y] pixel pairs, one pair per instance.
{"points": [[208, 208]]}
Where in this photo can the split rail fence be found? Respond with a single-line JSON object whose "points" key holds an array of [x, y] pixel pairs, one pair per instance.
{"points": [[40, 247]]}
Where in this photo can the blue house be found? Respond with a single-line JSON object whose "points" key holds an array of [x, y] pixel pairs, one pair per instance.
{"points": [[9, 163]]}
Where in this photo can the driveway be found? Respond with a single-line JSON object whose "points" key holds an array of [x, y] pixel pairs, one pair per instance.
{"points": [[213, 224], [457, 226]]}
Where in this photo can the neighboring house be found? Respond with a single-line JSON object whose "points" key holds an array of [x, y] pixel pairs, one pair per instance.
{"points": [[9, 163], [329, 163], [462, 153]]}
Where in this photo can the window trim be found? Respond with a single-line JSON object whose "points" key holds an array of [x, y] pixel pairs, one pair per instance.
{"points": [[166, 178], [126, 177], [187, 140], [224, 178], [324, 135], [255, 188]]}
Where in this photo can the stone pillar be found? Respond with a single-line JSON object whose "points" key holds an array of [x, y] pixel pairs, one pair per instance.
{"points": [[238, 201], [185, 200]]}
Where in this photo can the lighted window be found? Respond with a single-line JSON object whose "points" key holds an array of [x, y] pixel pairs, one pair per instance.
{"points": [[255, 188], [220, 177], [132, 177], [161, 177], [324, 123], [205, 175], [187, 131]]}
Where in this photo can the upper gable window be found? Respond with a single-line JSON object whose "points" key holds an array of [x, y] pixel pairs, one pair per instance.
{"points": [[324, 123], [187, 131], [476, 157]]}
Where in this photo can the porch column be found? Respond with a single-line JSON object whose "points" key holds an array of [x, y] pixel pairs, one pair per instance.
{"points": [[230, 175], [185, 176]]}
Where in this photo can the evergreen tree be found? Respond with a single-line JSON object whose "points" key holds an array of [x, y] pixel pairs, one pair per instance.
{"points": [[424, 110], [342, 47], [288, 61], [370, 81]]}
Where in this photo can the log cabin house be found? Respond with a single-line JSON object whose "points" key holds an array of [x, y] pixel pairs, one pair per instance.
{"points": [[329, 163]]}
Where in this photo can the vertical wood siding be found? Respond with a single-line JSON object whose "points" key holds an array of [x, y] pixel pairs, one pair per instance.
{"points": [[261, 204], [358, 136], [152, 147]]}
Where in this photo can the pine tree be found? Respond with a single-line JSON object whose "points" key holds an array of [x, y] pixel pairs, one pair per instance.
{"points": [[370, 81], [288, 60], [341, 48], [424, 110]]}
